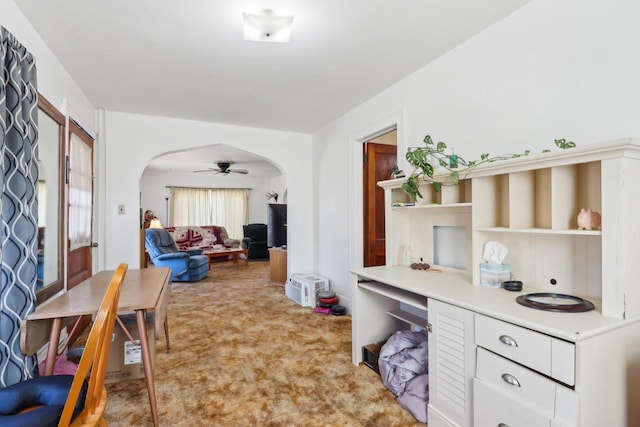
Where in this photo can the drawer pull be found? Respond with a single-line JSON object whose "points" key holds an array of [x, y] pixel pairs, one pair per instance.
{"points": [[502, 425], [510, 379], [506, 339]]}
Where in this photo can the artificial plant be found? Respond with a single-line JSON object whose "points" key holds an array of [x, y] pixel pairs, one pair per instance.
{"points": [[424, 158]]}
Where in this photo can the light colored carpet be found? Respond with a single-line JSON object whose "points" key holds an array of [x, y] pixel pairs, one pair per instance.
{"points": [[243, 354]]}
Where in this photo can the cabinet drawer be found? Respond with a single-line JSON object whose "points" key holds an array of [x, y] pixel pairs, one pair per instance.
{"points": [[492, 408], [517, 381], [545, 354], [541, 394]]}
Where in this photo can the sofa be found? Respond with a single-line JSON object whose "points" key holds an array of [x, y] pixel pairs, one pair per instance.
{"points": [[202, 237], [186, 265]]}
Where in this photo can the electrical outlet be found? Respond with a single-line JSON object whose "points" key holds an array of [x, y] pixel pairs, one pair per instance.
{"points": [[120, 209]]}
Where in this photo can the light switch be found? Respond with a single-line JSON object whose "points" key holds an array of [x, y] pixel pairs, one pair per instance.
{"points": [[120, 209]]}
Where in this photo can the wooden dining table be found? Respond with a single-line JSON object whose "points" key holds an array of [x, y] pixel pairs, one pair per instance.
{"points": [[143, 290]]}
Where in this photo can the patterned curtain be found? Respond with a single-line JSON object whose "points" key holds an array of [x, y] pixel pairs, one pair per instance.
{"points": [[18, 203]]}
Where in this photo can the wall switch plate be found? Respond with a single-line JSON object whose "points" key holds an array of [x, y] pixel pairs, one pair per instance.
{"points": [[120, 209]]}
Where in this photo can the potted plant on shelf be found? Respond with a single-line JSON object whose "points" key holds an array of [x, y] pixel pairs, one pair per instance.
{"points": [[424, 159]]}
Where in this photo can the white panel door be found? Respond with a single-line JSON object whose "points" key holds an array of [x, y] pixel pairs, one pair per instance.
{"points": [[451, 362]]}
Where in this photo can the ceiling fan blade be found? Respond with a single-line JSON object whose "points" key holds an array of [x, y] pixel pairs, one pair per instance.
{"points": [[223, 168], [243, 171]]}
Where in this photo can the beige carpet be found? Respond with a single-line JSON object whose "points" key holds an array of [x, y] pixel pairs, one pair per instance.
{"points": [[243, 354]]}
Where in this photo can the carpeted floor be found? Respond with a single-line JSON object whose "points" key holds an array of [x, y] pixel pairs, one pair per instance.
{"points": [[243, 354]]}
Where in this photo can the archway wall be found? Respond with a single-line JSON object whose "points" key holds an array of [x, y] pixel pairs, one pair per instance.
{"points": [[155, 196], [132, 140]]}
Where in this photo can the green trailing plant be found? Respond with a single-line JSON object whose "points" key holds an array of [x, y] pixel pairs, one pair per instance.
{"points": [[424, 159]]}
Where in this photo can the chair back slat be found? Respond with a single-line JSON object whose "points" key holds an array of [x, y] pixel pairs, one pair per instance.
{"points": [[93, 362]]}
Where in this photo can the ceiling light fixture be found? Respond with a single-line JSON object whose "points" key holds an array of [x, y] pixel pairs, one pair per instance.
{"points": [[266, 26]]}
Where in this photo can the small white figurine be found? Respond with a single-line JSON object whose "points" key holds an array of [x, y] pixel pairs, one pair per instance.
{"points": [[589, 220]]}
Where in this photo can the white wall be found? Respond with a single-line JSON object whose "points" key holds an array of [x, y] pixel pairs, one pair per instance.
{"points": [[154, 191], [553, 69], [54, 82], [133, 140], [279, 185]]}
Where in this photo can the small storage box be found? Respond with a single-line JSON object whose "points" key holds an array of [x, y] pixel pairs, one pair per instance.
{"points": [[371, 354], [493, 275]]}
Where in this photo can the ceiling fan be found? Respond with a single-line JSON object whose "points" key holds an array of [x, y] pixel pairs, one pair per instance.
{"points": [[224, 168]]}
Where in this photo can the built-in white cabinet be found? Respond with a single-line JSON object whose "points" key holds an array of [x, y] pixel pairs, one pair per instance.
{"points": [[512, 365]]}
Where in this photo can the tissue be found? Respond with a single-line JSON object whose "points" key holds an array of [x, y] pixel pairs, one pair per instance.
{"points": [[493, 272], [494, 253]]}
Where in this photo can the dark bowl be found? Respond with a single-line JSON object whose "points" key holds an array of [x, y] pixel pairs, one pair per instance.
{"points": [[512, 285]]}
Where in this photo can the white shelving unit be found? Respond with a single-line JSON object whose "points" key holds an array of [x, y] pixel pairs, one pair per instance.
{"points": [[530, 204]]}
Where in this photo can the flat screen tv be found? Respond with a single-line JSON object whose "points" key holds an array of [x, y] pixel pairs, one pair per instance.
{"points": [[276, 225]]}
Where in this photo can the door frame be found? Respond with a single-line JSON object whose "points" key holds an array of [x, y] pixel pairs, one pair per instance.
{"points": [[396, 122]]}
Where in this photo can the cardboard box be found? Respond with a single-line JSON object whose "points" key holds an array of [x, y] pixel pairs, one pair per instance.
{"points": [[125, 357]]}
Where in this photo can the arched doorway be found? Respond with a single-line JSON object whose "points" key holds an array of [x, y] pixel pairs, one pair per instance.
{"points": [[198, 168]]}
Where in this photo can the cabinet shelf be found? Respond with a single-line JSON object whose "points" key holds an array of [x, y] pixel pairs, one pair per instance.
{"points": [[410, 318], [396, 294], [436, 206], [540, 231]]}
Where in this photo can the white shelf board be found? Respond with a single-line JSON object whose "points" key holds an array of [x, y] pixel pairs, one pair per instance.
{"points": [[436, 206], [540, 231], [409, 318], [397, 294]]}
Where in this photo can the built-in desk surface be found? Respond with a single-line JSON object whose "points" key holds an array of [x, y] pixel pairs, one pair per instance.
{"points": [[455, 287]]}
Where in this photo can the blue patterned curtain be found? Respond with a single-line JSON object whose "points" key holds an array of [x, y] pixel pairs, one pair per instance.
{"points": [[18, 204]]}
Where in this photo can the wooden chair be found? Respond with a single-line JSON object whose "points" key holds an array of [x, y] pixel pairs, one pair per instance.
{"points": [[86, 399]]}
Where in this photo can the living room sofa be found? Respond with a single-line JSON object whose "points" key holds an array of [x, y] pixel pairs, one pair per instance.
{"points": [[202, 237]]}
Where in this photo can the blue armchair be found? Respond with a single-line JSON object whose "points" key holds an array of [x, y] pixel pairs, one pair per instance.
{"points": [[186, 266]]}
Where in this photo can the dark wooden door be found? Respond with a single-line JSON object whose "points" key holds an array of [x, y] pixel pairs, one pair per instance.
{"points": [[378, 162]]}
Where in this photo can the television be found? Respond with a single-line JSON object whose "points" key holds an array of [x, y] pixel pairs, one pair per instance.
{"points": [[276, 225]]}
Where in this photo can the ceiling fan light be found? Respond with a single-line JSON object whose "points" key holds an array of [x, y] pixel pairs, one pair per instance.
{"points": [[267, 27]]}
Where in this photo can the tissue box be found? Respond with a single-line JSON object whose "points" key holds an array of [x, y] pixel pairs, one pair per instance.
{"points": [[493, 275]]}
